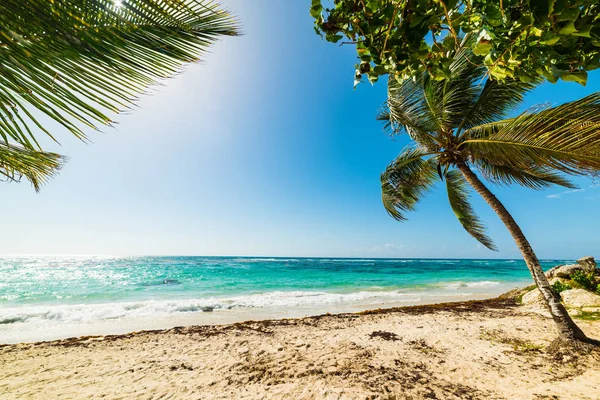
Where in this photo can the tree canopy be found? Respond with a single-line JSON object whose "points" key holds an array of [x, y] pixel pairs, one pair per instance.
{"points": [[524, 40], [461, 121], [79, 61]]}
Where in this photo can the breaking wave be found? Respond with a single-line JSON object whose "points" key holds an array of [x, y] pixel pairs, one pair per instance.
{"points": [[85, 313]]}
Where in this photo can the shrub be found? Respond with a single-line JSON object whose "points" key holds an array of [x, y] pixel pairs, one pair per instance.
{"points": [[584, 281], [558, 287]]}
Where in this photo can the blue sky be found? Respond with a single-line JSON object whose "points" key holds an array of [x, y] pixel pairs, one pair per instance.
{"points": [[266, 149]]}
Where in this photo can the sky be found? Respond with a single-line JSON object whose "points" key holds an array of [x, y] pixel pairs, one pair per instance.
{"points": [[265, 149]]}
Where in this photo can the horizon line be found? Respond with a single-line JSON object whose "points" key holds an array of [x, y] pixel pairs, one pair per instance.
{"points": [[272, 257]]}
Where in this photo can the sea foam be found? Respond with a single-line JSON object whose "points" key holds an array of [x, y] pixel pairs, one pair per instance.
{"points": [[460, 284], [86, 313]]}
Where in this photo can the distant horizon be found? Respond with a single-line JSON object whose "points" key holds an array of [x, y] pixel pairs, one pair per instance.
{"points": [[285, 257]]}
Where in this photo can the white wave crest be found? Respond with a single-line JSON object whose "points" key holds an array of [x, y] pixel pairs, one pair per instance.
{"points": [[460, 284], [86, 313]]}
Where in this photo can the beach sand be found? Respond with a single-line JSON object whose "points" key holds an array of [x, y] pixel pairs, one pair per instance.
{"points": [[488, 349]]}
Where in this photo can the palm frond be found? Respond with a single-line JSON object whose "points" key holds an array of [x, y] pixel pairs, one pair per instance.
{"points": [[458, 196], [36, 166], [427, 108], [533, 177], [495, 101], [77, 61], [406, 111], [405, 181], [565, 138], [450, 98]]}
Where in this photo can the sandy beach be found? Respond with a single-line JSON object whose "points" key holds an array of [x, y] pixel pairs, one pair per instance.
{"points": [[491, 349]]}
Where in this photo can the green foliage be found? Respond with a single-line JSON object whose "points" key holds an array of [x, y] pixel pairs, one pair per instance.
{"points": [[78, 61], [458, 196], [553, 39], [584, 281], [564, 138], [18, 161], [405, 181], [456, 123], [588, 316], [559, 287]]}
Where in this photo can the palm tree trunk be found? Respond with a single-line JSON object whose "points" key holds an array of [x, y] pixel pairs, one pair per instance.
{"points": [[566, 327]]}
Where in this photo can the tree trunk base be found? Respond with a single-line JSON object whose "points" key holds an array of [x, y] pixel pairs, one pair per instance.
{"points": [[567, 350]]}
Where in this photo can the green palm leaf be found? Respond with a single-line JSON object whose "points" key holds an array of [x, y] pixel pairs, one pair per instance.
{"points": [[77, 61], [533, 177], [37, 166], [565, 138], [458, 196], [407, 111], [448, 99], [426, 108], [495, 101], [405, 181]]}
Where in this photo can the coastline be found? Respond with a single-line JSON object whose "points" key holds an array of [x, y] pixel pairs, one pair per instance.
{"points": [[46, 298], [28, 333], [473, 349]]}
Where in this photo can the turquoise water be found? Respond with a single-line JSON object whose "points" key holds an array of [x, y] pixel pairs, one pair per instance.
{"points": [[39, 291]]}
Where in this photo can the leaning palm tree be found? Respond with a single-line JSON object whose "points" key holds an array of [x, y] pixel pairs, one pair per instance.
{"points": [[460, 137], [78, 61]]}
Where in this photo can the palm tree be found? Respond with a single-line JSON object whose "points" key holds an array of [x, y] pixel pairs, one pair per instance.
{"points": [[78, 61], [460, 136]]}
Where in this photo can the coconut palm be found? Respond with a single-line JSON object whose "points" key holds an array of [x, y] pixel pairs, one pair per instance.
{"points": [[78, 61], [460, 137]]}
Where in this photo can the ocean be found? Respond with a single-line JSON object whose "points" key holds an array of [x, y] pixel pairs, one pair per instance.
{"points": [[53, 297]]}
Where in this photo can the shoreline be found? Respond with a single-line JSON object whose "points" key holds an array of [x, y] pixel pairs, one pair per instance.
{"points": [[90, 296], [451, 306], [26, 333], [477, 349]]}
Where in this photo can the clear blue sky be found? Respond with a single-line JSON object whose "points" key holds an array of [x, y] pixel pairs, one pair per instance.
{"points": [[266, 149]]}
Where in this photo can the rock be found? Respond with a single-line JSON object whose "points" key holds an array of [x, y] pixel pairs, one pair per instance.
{"points": [[580, 298], [574, 312], [588, 264], [585, 264], [552, 272], [532, 297], [534, 302], [565, 271], [561, 280]]}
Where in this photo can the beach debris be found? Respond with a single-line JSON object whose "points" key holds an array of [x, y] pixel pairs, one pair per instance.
{"points": [[390, 336], [180, 366]]}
